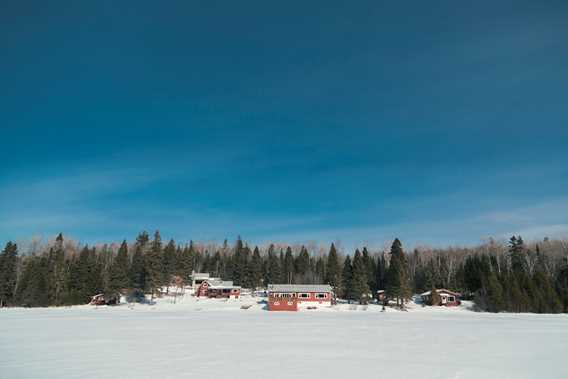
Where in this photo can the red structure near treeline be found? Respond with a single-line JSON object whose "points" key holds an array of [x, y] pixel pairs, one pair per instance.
{"points": [[290, 297]]}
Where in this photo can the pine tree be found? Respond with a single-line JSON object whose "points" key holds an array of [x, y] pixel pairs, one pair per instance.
{"points": [[119, 270], [333, 270], [347, 279], [154, 265], [517, 254], [398, 283], [256, 269], [273, 271], [359, 284], [288, 266], [185, 261], [32, 288], [138, 266], [302, 266], [169, 262], [371, 270], [239, 263], [57, 273], [8, 273]]}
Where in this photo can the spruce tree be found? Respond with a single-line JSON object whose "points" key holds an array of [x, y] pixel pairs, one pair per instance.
{"points": [[333, 270], [398, 283], [32, 288], [302, 266], [360, 288], [347, 279], [138, 266], [371, 270], [288, 266], [154, 265], [118, 278], [169, 262], [256, 269], [185, 261], [273, 271], [8, 273]]}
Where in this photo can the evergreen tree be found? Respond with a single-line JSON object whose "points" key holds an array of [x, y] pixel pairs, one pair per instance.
{"points": [[347, 279], [517, 254], [32, 288], [371, 270], [154, 265], [57, 273], [288, 266], [360, 288], [256, 269], [138, 266], [185, 261], [302, 266], [333, 270], [119, 270], [273, 271], [8, 273], [169, 262], [398, 283]]}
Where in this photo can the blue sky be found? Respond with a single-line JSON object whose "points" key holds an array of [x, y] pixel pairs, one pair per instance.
{"points": [[440, 123]]}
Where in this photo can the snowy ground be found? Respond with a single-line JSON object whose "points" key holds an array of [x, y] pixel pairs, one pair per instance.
{"points": [[218, 339]]}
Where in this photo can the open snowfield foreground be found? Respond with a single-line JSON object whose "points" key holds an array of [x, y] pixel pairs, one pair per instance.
{"points": [[218, 339]]}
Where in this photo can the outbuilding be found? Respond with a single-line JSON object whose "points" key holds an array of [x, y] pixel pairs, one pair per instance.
{"points": [[291, 297], [447, 297], [217, 288]]}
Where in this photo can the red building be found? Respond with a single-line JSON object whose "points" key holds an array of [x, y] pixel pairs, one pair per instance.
{"points": [[291, 297], [447, 297], [217, 288]]}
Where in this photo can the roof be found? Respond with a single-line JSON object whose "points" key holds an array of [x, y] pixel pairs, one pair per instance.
{"points": [[217, 284], [200, 275], [442, 290], [299, 288]]}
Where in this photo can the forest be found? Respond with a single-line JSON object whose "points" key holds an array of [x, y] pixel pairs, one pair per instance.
{"points": [[498, 277]]}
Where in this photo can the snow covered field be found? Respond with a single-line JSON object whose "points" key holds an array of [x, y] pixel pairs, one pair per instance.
{"points": [[218, 339]]}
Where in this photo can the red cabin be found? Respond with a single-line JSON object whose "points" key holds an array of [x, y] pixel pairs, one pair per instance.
{"points": [[447, 297], [291, 297], [217, 288]]}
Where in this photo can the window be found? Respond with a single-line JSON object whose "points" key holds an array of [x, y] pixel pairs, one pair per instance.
{"points": [[283, 295], [304, 295], [451, 299], [199, 281], [321, 295]]}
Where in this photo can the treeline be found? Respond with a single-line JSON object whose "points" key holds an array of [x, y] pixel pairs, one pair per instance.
{"points": [[513, 277]]}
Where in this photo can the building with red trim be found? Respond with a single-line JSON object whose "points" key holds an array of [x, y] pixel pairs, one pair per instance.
{"points": [[447, 298], [217, 288], [291, 297]]}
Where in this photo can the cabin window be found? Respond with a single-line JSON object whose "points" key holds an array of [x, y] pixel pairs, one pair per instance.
{"points": [[321, 295], [451, 298], [284, 295], [304, 295]]}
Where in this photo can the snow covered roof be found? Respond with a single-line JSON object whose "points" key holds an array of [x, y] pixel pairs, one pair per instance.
{"points": [[440, 291], [200, 275], [218, 284], [299, 288]]}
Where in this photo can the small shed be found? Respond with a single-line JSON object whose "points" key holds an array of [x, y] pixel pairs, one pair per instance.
{"points": [[447, 298], [217, 288]]}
